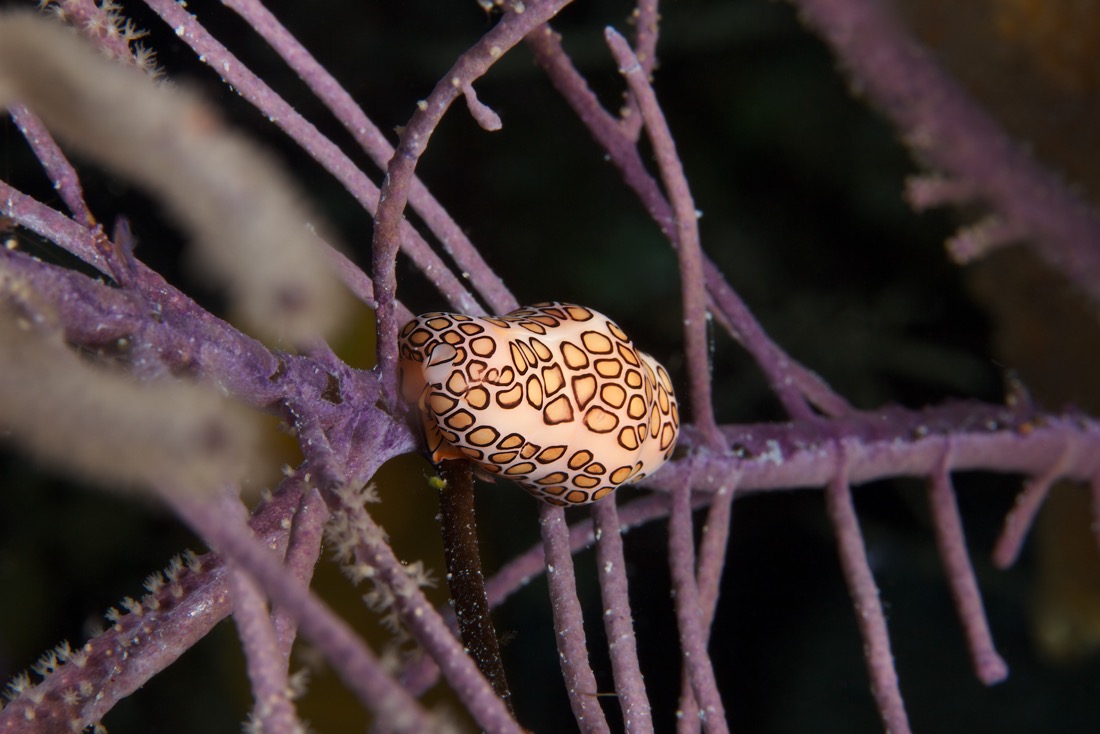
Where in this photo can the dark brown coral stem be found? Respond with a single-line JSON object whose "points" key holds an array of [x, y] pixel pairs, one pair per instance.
{"points": [[464, 577]]}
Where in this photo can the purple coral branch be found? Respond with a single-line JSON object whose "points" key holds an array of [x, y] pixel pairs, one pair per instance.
{"points": [[51, 224], [688, 250], [693, 637], [266, 663], [373, 552], [946, 128], [865, 599], [56, 165], [646, 20], [580, 682], [305, 134], [1028, 503], [788, 379], [618, 619], [302, 551], [356, 665], [267, 673], [712, 560], [371, 139], [989, 666], [469, 67], [517, 573], [184, 603], [893, 442]]}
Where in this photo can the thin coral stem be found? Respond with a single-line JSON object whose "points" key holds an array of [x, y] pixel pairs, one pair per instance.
{"points": [[469, 67], [949, 130], [95, 22], [618, 619], [1029, 501], [865, 600], [580, 682], [51, 224], [272, 708], [792, 383], [646, 20], [56, 165], [689, 250], [370, 138], [989, 666], [712, 561], [693, 639], [303, 550]]}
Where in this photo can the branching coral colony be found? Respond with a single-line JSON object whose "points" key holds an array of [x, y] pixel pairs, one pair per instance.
{"points": [[179, 421]]}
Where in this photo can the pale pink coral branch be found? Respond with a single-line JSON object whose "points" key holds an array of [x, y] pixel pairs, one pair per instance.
{"points": [[865, 601], [1028, 503], [989, 666], [646, 20]]}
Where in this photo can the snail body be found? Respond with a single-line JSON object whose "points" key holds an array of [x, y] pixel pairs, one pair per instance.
{"points": [[553, 396]]}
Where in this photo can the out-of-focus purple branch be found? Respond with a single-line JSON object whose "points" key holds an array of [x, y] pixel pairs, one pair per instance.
{"points": [[580, 682], [946, 128], [370, 138], [469, 67], [618, 619], [688, 250], [865, 599], [989, 666]]}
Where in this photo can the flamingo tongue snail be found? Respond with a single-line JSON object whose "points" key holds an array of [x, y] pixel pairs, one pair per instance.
{"points": [[553, 396]]}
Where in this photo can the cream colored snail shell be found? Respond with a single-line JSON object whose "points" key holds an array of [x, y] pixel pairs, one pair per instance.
{"points": [[554, 396]]}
